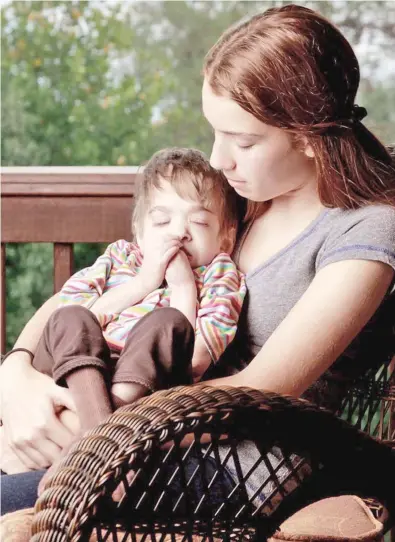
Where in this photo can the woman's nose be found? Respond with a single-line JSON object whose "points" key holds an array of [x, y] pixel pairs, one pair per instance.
{"points": [[220, 157]]}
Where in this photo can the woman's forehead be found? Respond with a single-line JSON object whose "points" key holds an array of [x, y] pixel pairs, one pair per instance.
{"points": [[226, 116]]}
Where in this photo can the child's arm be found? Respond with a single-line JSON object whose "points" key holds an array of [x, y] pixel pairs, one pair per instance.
{"points": [[221, 300], [121, 297], [201, 358], [181, 281], [135, 288]]}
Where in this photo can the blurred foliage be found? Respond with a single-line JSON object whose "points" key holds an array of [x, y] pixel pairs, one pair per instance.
{"points": [[110, 82]]}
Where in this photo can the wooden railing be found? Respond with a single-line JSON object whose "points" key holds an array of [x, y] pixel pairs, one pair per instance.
{"points": [[63, 206]]}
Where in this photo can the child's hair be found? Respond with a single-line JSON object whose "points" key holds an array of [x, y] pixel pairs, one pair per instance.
{"points": [[291, 68], [190, 174]]}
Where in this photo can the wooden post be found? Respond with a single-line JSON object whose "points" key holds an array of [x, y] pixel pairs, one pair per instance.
{"points": [[63, 264], [3, 301]]}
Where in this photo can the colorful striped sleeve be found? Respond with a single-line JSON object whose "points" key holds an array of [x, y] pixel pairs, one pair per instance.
{"points": [[221, 300], [87, 285]]}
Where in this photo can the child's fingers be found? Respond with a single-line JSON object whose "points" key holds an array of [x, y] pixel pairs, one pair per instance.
{"points": [[169, 244], [169, 254]]}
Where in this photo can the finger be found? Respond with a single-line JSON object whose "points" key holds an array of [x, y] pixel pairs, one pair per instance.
{"points": [[170, 241], [70, 420], [60, 434], [169, 255], [167, 246], [30, 456], [50, 451], [62, 398], [12, 463], [42, 444]]}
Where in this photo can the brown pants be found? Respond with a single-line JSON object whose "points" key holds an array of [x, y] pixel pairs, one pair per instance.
{"points": [[157, 353]]}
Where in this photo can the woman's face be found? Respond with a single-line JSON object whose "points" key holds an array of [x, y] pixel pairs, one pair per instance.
{"points": [[260, 161]]}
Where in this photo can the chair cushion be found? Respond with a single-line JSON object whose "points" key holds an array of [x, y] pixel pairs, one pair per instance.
{"points": [[336, 519], [15, 527]]}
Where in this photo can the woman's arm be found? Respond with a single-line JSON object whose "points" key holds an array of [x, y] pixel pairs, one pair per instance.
{"points": [[30, 400], [339, 302], [31, 333]]}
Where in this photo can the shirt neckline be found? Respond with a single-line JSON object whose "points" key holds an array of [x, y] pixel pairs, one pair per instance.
{"points": [[298, 239]]}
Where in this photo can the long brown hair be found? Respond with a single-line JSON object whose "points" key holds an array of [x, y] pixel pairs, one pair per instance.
{"points": [[291, 68]]}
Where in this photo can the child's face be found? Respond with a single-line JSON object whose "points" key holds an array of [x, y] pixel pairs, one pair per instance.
{"points": [[170, 216]]}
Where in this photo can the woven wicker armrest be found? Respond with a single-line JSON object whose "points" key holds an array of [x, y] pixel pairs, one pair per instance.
{"points": [[135, 446]]}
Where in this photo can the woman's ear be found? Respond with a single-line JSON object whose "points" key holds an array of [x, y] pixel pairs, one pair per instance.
{"points": [[307, 148]]}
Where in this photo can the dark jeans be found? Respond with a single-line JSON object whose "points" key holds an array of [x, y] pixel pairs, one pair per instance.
{"points": [[19, 491]]}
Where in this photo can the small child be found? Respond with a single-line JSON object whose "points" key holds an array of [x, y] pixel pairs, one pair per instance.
{"points": [[156, 312]]}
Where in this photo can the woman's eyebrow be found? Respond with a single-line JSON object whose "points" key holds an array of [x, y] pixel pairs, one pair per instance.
{"points": [[230, 132], [239, 134]]}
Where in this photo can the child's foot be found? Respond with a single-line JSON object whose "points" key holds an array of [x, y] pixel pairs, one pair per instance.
{"points": [[126, 393]]}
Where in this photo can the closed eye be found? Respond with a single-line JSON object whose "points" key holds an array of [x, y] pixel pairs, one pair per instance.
{"points": [[200, 223], [244, 147], [162, 223]]}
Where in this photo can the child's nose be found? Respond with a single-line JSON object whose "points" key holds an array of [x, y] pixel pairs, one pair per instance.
{"points": [[181, 231]]}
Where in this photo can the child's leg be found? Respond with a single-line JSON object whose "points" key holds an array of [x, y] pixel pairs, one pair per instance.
{"points": [[157, 355], [73, 350]]}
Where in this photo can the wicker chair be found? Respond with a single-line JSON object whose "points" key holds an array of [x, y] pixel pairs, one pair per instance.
{"points": [[322, 455]]}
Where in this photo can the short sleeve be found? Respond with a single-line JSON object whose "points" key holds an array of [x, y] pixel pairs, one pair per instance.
{"points": [[221, 299], [367, 233], [85, 286]]}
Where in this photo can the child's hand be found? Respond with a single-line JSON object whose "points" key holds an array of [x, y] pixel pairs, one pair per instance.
{"points": [[156, 260], [179, 271]]}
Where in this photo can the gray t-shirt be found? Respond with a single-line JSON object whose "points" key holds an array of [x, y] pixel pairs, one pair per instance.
{"points": [[275, 287]]}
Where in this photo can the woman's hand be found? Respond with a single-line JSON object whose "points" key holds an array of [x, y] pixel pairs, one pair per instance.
{"points": [[30, 403]]}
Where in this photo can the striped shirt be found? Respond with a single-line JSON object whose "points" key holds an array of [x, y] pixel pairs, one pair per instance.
{"points": [[220, 288]]}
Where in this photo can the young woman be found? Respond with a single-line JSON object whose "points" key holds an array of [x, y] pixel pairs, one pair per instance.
{"points": [[318, 246]]}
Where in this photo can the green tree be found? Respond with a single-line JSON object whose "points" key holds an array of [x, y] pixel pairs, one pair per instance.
{"points": [[66, 100], [62, 58]]}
